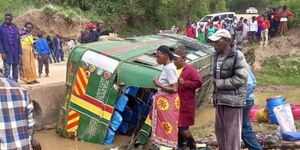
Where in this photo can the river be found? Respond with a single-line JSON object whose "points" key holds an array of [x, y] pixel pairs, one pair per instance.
{"points": [[205, 115]]}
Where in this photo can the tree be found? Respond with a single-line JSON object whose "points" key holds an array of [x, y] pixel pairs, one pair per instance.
{"points": [[220, 6]]}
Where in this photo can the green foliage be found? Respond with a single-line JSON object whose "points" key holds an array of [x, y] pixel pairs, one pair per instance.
{"points": [[138, 15], [280, 70], [294, 7], [15, 7]]}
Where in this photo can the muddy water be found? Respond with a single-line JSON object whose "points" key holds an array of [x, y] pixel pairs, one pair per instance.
{"points": [[52, 141], [205, 116]]}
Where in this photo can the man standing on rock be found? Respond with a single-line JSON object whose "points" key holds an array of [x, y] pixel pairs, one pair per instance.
{"points": [[16, 118], [229, 79], [10, 47]]}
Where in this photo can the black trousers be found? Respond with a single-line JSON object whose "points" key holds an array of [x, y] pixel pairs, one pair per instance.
{"points": [[43, 60]]}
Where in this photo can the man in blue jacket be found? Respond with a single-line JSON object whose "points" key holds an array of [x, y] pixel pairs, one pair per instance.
{"points": [[248, 135], [43, 52], [10, 47]]}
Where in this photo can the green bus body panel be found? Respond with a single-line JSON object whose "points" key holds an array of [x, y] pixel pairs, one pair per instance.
{"points": [[128, 57], [137, 75]]}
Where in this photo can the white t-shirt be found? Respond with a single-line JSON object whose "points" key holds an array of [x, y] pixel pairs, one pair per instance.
{"points": [[168, 76], [253, 26]]}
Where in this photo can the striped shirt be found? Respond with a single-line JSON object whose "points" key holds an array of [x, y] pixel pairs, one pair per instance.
{"points": [[16, 116]]}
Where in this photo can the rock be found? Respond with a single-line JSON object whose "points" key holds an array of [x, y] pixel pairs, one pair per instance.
{"points": [[50, 126]]}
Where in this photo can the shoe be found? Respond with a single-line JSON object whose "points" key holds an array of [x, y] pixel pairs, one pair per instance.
{"points": [[36, 81], [47, 75], [40, 76]]}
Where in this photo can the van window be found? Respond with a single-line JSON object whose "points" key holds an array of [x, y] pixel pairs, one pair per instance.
{"points": [[223, 17], [230, 15], [205, 19], [216, 19]]}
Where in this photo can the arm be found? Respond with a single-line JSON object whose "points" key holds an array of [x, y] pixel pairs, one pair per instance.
{"points": [[170, 89], [1, 43], [30, 115], [194, 82], [19, 42], [239, 77], [54, 44], [172, 79]]}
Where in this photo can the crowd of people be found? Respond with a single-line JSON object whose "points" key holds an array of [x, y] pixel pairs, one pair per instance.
{"points": [[270, 23], [20, 49], [93, 32]]}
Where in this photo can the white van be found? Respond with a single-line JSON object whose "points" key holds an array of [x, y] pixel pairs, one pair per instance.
{"points": [[215, 18]]}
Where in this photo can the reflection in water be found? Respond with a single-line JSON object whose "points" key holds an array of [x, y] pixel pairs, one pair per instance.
{"points": [[204, 117], [52, 141]]}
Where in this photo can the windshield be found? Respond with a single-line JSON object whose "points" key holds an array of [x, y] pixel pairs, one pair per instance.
{"points": [[205, 19]]}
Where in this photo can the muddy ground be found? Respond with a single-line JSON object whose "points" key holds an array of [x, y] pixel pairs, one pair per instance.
{"points": [[278, 46], [48, 22]]}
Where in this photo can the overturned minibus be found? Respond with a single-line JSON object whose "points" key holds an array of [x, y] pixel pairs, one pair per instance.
{"points": [[109, 86]]}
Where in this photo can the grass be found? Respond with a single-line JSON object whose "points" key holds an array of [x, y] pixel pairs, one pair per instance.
{"points": [[280, 70], [203, 132], [15, 7]]}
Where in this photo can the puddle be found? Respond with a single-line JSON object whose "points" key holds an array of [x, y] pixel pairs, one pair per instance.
{"points": [[206, 114], [52, 141], [204, 117], [292, 96]]}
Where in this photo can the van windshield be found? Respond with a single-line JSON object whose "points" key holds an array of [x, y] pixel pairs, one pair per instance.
{"points": [[205, 19]]}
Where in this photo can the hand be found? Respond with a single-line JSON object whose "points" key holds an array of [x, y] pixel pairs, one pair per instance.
{"points": [[36, 145], [156, 81], [3, 56], [20, 58], [180, 81], [40, 57], [213, 80]]}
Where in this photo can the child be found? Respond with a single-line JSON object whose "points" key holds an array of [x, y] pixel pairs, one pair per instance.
{"points": [[43, 51], [201, 36]]}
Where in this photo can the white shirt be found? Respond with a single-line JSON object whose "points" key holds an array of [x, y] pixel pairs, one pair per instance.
{"points": [[253, 26], [168, 76]]}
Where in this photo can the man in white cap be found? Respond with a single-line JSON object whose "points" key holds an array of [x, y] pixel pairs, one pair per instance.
{"points": [[229, 78]]}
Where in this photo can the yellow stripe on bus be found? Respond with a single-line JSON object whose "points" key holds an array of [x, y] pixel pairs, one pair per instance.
{"points": [[83, 75], [86, 105]]}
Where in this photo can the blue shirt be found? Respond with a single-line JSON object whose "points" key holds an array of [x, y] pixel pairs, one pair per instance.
{"points": [[42, 47], [251, 85]]}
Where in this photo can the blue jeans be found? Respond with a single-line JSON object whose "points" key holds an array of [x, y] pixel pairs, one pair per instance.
{"points": [[52, 57], [59, 53], [15, 71], [248, 135]]}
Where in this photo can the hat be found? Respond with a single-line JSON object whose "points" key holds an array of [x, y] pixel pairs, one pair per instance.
{"points": [[91, 26], [220, 34], [58, 34]]}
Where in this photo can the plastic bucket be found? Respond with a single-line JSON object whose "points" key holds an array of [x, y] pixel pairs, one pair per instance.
{"points": [[110, 136], [273, 102], [121, 103], [132, 91], [296, 112], [252, 113], [116, 121]]}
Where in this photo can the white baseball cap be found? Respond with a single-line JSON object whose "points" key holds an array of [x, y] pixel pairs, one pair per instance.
{"points": [[220, 34]]}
